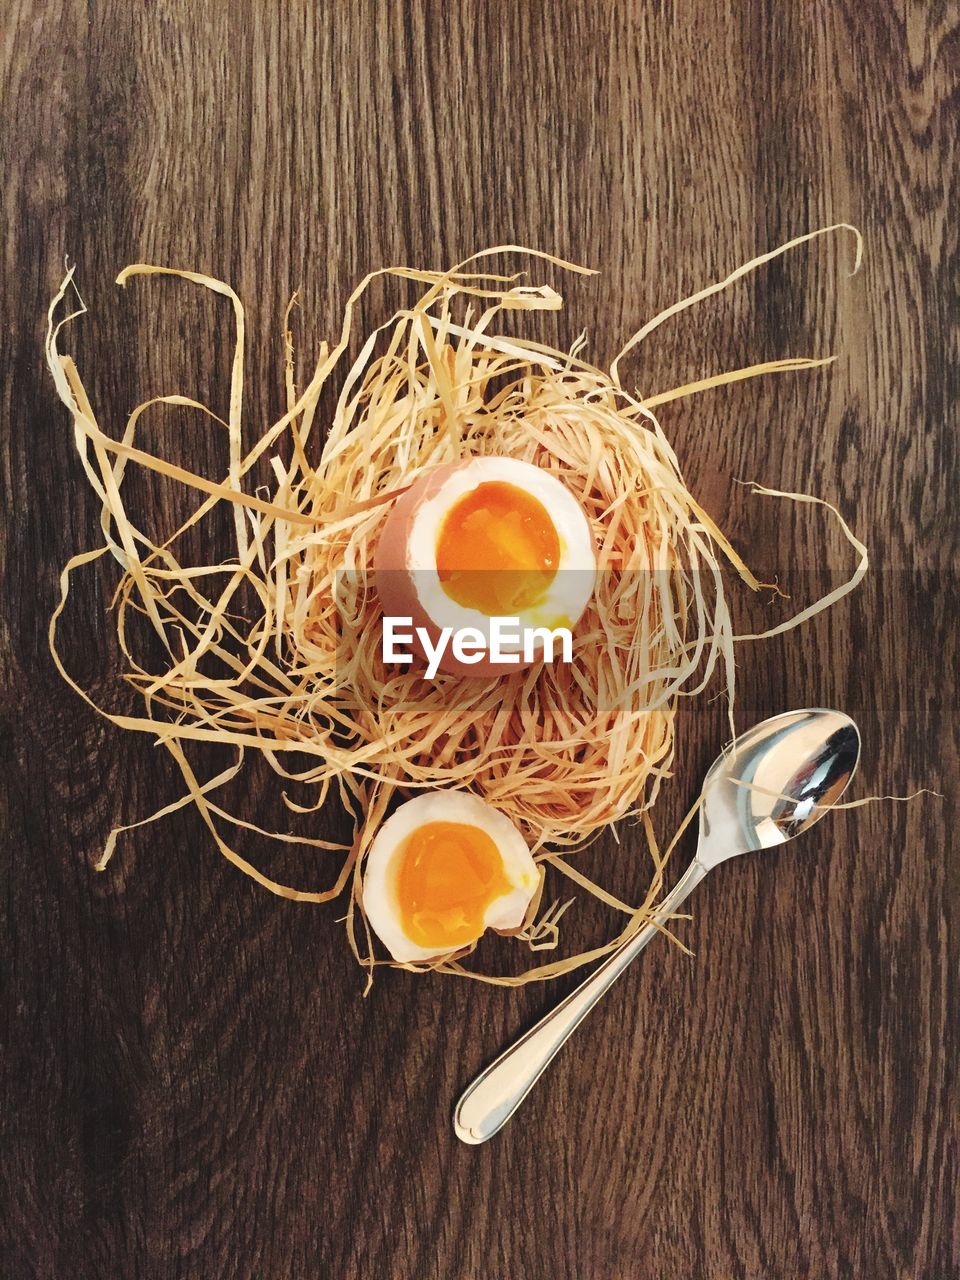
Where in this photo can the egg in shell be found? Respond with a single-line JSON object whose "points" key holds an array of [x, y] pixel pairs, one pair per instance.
{"points": [[482, 538], [441, 870]]}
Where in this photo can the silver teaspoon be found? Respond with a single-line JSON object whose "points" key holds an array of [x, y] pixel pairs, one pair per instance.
{"points": [[773, 782]]}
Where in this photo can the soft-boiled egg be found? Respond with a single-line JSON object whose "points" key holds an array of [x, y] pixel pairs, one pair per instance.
{"points": [[442, 869], [485, 538]]}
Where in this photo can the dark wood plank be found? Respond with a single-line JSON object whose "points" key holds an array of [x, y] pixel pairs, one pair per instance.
{"points": [[192, 1084]]}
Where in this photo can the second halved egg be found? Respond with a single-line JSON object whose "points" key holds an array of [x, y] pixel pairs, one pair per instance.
{"points": [[441, 870]]}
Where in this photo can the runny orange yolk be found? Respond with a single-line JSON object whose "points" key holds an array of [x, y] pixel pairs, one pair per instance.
{"points": [[497, 550], [448, 873]]}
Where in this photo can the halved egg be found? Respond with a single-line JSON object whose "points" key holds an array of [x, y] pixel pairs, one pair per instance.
{"points": [[442, 869], [483, 538]]}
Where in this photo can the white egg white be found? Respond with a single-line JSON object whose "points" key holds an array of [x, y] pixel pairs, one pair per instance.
{"points": [[379, 896], [566, 597]]}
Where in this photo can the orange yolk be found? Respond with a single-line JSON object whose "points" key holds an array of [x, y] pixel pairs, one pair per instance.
{"points": [[497, 550], [447, 875]]}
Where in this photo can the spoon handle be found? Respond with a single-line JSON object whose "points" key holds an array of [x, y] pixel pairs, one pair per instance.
{"points": [[488, 1103]]}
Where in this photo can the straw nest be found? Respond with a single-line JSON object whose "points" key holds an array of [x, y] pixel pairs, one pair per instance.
{"points": [[273, 644]]}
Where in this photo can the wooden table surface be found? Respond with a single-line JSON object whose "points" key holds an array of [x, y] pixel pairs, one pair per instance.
{"points": [[193, 1084]]}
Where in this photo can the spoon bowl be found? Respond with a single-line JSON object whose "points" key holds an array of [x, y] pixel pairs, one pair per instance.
{"points": [[775, 781]]}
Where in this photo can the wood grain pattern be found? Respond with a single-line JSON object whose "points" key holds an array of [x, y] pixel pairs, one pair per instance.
{"points": [[192, 1085]]}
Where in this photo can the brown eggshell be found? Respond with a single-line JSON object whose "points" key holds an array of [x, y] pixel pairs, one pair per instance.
{"points": [[395, 581]]}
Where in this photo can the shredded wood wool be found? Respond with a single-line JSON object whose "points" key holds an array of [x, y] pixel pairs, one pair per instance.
{"points": [[563, 750]]}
